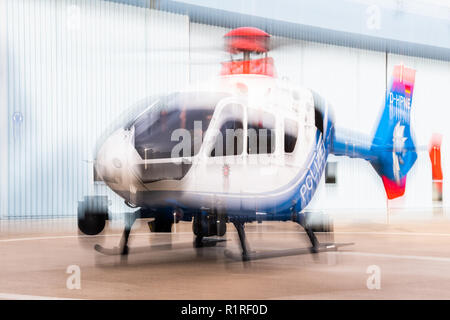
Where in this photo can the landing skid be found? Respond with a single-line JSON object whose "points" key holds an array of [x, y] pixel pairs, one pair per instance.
{"points": [[323, 247], [115, 251], [302, 220]]}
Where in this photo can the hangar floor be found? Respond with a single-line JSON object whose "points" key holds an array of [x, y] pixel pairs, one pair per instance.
{"points": [[413, 257]]}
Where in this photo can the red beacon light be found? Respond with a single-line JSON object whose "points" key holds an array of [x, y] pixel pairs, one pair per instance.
{"points": [[248, 48]]}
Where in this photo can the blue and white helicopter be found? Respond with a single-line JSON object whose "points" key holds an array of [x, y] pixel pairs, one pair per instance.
{"points": [[240, 148]]}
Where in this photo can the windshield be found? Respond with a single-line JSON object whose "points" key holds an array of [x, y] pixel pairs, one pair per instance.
{"points": [[191, 111]]}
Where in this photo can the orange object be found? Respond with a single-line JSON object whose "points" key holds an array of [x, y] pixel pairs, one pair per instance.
{"points": [[435, 157]]}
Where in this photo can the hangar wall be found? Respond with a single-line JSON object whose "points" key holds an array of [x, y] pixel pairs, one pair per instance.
{"points": [[4, 189], [74, 66]]}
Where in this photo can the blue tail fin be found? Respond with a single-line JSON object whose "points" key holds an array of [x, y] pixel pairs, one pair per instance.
{"points": [[393, 143]]}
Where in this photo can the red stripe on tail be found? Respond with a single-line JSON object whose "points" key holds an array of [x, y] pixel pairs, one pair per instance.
{"points": [[394, 189]]}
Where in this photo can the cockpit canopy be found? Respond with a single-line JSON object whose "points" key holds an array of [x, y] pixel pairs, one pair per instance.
{"points": [[188, 112]]}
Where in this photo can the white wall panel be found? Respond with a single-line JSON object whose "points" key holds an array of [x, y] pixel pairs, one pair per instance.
{"points": [[73, 67], [205, 58], [3, 113]]}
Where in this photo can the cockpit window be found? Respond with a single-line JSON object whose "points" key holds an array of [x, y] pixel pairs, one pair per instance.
{"points": [[155, 128]]}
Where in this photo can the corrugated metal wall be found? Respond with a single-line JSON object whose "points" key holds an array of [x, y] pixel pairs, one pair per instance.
{"points": [[72, 67], [4, 188]]}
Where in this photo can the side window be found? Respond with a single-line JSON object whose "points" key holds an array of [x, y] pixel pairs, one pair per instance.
{"points": [[261, 132], [230, 138], [290, 135]]}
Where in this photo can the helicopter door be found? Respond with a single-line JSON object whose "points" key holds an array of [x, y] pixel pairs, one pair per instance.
{"points": [[261, 169], [220, 170]]}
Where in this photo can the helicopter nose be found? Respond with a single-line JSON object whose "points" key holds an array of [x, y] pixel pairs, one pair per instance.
{"points": [[111, 160]]}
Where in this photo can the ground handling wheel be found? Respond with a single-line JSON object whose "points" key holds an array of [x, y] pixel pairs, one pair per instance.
{"points": [[92, 214]]}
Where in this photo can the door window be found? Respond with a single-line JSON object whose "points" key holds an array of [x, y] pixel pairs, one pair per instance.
{"points": [[261, 132], [229, 140]]}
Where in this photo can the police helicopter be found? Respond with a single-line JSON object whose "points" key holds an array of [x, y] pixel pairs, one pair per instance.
{"points": [[243, 147]]}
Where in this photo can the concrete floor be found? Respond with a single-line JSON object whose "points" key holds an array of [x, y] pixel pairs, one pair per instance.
{"points": [[413, 258]]}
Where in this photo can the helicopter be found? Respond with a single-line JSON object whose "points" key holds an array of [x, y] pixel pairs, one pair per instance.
{"points": [[245, 146]]}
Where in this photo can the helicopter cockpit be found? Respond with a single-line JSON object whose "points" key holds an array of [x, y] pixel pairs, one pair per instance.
{"points": [[169, 135], [172, 128], [191, 112]]}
